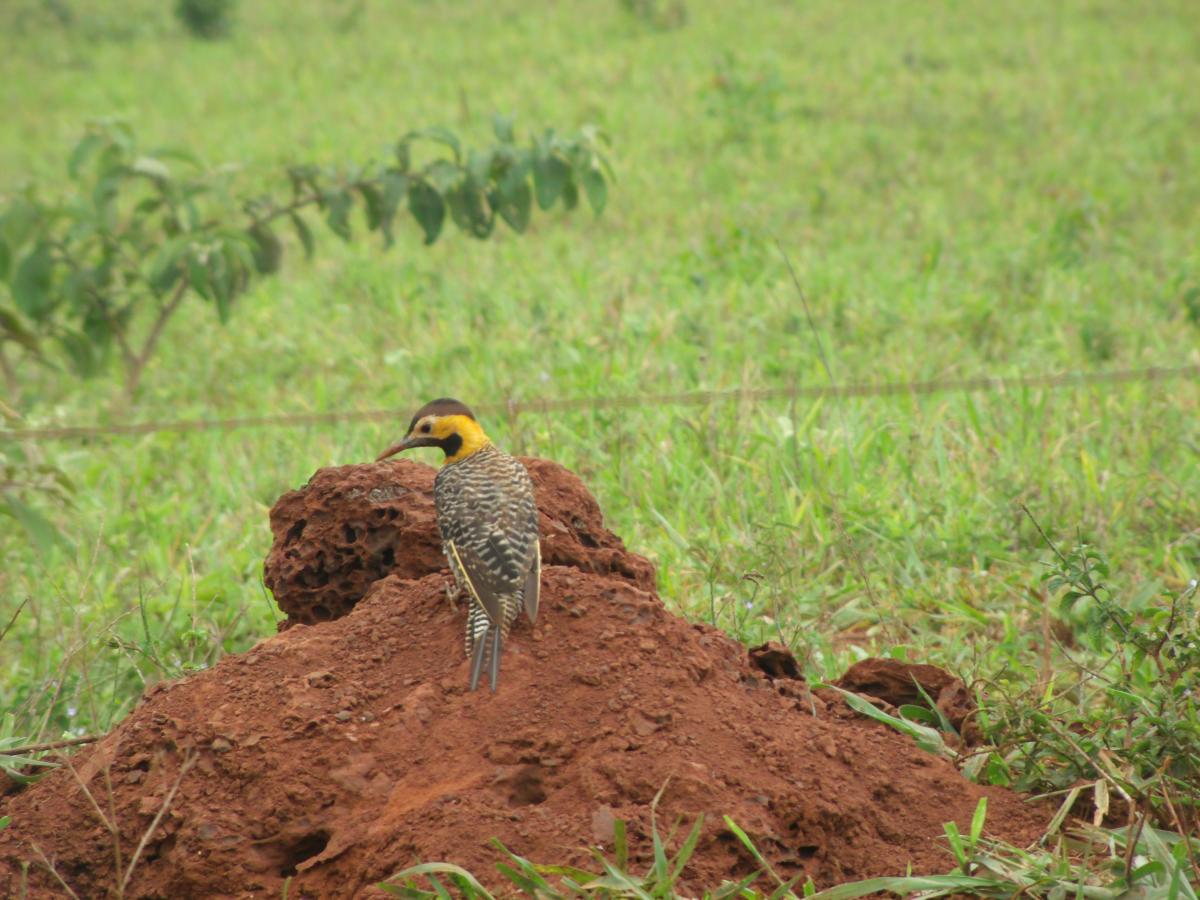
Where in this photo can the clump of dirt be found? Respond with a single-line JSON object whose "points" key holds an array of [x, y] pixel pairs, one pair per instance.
{"points": [[898, 683], [339, 753], [353, 525]]}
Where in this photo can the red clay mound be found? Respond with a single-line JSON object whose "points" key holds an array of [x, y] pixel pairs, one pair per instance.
{"points": [[342, 752], [353, 525]]}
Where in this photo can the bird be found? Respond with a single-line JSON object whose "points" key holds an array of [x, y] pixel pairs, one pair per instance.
{"points": [[488, 522]]}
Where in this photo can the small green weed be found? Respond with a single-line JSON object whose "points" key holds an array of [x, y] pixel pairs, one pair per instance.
{"points": [[1125, 717], [1090, 863], [206, 19]]}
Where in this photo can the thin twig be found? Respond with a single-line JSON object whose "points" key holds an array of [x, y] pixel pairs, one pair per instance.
{"points": [[106, 770], [51, 745], [162, 811], [110, 827], [1182, 830], [134, 376], [11, 383], [1095, 763], [53, 871], [1045, 537], [1136, 818], [13, 620]]}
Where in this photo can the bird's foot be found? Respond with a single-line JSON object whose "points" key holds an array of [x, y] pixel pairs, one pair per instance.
{"points": [[454, 593]]}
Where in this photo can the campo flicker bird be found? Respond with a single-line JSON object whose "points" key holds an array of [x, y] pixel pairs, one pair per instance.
{"points": [[488, 522]]}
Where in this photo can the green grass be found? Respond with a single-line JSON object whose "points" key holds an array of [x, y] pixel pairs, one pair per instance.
{"points": [[964, 189]]}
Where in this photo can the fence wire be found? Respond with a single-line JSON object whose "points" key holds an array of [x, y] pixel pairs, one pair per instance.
{"points": [[513, 407]]}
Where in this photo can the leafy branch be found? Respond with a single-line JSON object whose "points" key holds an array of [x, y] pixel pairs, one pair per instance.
{"points": [[105, 267]]}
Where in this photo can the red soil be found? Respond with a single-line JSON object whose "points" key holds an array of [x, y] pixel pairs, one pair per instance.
{"points": [[341, 752]]}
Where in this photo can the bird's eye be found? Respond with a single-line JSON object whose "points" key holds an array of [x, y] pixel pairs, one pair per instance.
{"points": [[425, 428]]}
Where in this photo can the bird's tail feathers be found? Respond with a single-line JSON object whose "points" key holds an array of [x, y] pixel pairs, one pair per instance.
{"points": [[485, 642]]}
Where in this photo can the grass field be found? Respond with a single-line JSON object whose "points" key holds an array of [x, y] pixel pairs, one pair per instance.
{"points": [[964, 189]]}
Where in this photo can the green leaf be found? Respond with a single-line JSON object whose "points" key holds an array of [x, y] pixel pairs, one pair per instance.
{"points": [[745, 841], [165, 267], [221, 278], [502, 127], [304, 233], [528, 885], [444, 175], [914, 713], [434, 869], [954, 839], [909, 885], [686, 851], [81, 351], [928, 739], [18, 222], [570, 194], [469, 211], [177, 153], [198, 277], [940, 719], [21, 777], [149, 167], [32, 282], [596, 189], [97, 324], [404, 153], [549, 177], [337, 215], [104, 195], [620, 844], [41, 532], [83, 151], [372, 205], [302, 178], [395, 186], [5, 259], [439, 888], [268, 249], [515, 199], [239, 251], [480, 165], [439, 134], [977, 821], [428, 208]]}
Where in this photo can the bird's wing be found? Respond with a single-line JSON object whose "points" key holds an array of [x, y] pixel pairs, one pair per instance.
{"points": [[533, 583], [473, 576], [480, 581]]}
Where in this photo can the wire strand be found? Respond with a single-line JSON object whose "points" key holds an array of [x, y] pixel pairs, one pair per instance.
{"points": [[982, 384]]}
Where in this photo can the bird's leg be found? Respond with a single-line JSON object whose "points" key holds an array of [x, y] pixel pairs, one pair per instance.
{"points": [[454, 592]]}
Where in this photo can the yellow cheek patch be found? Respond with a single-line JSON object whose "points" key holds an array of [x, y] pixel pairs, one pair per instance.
{"points": [[465, 427]]}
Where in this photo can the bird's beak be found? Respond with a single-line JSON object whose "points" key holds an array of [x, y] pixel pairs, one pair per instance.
{"points": [[407, 444]]}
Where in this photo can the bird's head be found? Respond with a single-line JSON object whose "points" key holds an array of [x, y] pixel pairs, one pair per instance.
{"points": [[443, 423]]}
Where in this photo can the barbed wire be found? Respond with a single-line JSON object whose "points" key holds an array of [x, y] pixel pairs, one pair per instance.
{"points": [[513, 407]]}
